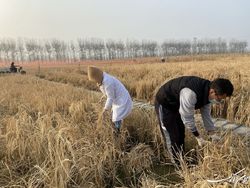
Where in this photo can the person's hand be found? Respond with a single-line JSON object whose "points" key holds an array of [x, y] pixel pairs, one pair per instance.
{"points": [[201, 141], [213, 136]]}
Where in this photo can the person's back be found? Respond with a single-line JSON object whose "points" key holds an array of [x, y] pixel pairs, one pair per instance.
{"points": [[121, 96], [168, 95], [120, 89]]}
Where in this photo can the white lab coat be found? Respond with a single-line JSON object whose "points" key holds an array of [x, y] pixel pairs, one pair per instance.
{"points": [[118, 97]]}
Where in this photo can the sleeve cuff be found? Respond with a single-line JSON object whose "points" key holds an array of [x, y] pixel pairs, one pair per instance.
{"points": [[196, 133]]}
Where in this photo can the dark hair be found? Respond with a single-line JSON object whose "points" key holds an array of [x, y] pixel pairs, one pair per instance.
{"points": [[222, 86]]}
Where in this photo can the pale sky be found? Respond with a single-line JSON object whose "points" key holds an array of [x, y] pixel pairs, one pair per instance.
{"points": [[125, 19]]}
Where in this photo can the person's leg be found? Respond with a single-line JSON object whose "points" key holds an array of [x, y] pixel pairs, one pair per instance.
{"points": [[192, 158], [181, 129], [164, 132], [172, 132], [118, 125]]}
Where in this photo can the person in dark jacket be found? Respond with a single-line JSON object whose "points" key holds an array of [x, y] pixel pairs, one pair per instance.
{"points": [[13, 67], [175, 105]]}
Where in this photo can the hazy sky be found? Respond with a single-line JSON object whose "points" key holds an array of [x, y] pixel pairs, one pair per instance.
{"points": [[125, 19]]}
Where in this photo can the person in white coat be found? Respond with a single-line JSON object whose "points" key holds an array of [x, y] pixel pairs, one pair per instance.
{"points": [[118, 97]]}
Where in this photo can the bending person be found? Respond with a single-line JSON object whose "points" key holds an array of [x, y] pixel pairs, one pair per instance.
{"points": [[118, 98]]}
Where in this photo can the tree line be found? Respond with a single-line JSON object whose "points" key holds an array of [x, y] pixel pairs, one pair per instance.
{"points": [[99, 49]]}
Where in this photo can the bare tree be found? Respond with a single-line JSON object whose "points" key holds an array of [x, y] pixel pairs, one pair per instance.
{"points": [[48, 50], [8, 49], [133, 49], [21, 49], [221, 46], [98, 48], [236, 46], [149, 48], [60, 48], [110, 46], [82, 48], [170, 48], [74, 51], [120, 49], [33, 49], [3, 49]]}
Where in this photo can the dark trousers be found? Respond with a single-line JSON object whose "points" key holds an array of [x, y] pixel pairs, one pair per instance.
{"points": [[172, 129]]}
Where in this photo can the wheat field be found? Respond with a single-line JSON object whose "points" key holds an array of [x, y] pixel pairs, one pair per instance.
{"points": [[52, 136]]}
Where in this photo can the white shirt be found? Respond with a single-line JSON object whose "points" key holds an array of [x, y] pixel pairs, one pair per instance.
{"points": [[118, 97], [188, 100]]}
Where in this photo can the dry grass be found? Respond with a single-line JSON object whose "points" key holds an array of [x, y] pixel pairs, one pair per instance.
{"points": [[51, 135], [142, 80]]}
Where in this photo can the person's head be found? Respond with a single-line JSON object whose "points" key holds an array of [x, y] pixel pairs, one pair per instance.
{"points": [[220, 88], [95, 75], [12, 63]]}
